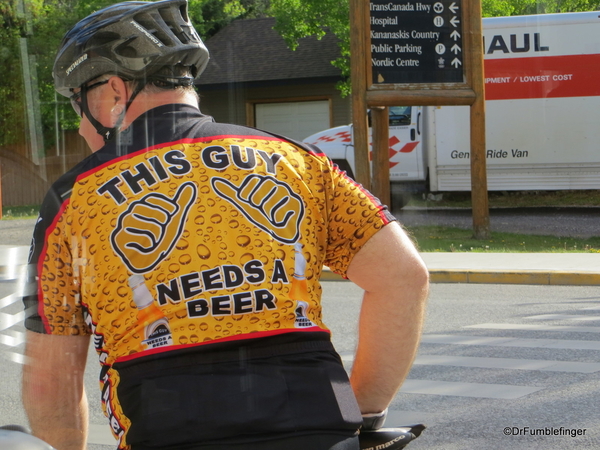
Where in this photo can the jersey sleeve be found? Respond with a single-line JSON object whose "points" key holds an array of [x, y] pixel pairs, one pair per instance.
{"points": [[354, 216], [51, 300]]}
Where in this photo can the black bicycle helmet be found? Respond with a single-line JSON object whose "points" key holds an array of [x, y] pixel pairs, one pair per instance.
{"points": [[132, 40]]}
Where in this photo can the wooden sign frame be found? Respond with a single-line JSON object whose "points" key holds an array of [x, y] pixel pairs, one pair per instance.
{"points": [[365, 95]]}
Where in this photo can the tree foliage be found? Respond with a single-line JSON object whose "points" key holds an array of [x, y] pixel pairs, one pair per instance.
{"points": [[12, 109], [496, 8], [43, 23], [297, 19]]}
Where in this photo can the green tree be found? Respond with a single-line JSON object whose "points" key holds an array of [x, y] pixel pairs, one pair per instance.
{"points": [[495, 8], [297, 19], [12, 98], [209, 16], [44, 23]]}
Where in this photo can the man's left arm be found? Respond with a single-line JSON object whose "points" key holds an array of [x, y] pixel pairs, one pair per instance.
{"points": [[53, 389]]}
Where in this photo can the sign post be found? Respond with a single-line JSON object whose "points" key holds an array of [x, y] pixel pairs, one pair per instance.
{"points": [[421, 53], [381, 159], [359, 47]]}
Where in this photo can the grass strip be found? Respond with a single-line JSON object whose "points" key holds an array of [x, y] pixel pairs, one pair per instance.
{"points": [[20, 212], [449, 239]]}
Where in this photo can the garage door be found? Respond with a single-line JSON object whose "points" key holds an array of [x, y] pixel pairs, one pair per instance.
{"points": [[296, 120]]}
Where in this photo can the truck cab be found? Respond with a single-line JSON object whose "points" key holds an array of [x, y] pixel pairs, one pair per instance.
{"points": [[407, 160]]}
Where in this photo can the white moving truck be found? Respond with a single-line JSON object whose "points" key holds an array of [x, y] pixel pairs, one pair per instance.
{"points": [[542, 81]]}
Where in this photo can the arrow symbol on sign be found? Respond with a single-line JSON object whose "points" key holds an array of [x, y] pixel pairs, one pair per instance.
{"points": [[454, 21], [455, 35], [456, 62], [455, 48], [453, 7]]}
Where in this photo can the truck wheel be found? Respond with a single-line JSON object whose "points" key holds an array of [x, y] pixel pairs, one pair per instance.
{"points": [[399, 196]]}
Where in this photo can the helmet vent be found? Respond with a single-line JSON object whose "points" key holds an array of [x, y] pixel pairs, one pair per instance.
{"points": [[102, 38], [184, 13], [173, 21], [126, 50], [150, 26]]}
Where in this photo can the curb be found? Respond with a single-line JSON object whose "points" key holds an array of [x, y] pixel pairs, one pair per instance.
{"points": [[495, 276], [536, 277]]}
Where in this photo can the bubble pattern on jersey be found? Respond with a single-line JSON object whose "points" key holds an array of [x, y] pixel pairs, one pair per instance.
{"points": [[211, 225]]}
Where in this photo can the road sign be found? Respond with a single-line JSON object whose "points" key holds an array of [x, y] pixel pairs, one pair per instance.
{"points": [[416, 41]]}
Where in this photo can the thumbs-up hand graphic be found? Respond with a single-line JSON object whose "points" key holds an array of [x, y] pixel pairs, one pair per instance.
{"points": [[147, 232], [266, 202]]}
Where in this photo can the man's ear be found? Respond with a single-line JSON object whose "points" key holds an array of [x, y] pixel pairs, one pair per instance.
{"points": [[116, 96], [118, 90]]}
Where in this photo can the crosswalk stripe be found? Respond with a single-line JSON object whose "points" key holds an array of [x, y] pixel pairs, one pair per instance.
{"points": [[8, 320], [534, 327], [12, 262], [479, 390], [12, 341], [591, 308], [9, 300], [100, 434], [499, 363], [507, 363], [13, 357], [510, 342], [563, 317]]}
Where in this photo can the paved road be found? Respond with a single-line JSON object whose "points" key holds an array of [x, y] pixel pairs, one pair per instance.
{"points": [[16, 231], [563, 222], [496, 356], [492, 356]]}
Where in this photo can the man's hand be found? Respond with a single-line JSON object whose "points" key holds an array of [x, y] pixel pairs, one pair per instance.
{"points": [[266, 202], [148, 231], [53, 390]]}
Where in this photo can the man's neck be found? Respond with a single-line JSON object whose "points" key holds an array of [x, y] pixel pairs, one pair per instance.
{"points": [[147, 101]]}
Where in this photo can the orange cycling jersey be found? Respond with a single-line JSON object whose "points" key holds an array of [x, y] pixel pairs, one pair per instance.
{"points": [[188, 233]]}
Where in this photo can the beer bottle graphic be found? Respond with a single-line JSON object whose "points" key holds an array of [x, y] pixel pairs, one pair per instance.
{"points": [[156, 326], [299, 289]]}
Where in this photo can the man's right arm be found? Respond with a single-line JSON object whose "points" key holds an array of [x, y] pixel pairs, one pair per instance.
{"points": [[53, 389], [395, 279]]}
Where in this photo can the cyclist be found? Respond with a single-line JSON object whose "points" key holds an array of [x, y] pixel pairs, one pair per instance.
{"points": [[191, 252]]}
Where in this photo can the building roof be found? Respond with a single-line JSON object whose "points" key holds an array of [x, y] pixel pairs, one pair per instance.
{"points": [[251, 50]]}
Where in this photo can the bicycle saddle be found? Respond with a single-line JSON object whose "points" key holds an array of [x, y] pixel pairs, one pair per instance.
{"points": [[389, 438]]}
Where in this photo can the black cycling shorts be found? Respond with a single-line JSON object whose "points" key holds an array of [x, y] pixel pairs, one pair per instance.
{"points": [[284, 393]]}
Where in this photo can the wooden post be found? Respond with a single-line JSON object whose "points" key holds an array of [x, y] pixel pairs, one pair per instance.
{"points": [[380, 183], [479, 194], [439, 84], [359, 52]]}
